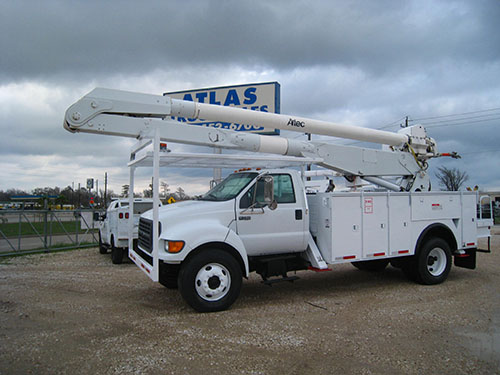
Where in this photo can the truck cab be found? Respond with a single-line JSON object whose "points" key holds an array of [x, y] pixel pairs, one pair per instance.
{"points": [[239, 221]]}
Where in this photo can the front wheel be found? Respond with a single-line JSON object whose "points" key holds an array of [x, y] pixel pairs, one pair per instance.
{"points": [[433, 262], [210, 280]]}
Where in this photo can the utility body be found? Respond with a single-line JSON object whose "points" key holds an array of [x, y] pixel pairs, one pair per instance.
{"points": [[114, 228], [263, 220]]}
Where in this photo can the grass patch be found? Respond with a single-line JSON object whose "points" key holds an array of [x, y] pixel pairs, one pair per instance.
{"points": [[59, 248], [30, 229]]}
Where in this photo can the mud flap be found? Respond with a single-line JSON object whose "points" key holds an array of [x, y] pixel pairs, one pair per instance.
{"points": [[467, 260]]}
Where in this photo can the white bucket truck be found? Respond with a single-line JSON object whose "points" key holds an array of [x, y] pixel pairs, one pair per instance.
{"points": [[262, 220], [114, 228]]}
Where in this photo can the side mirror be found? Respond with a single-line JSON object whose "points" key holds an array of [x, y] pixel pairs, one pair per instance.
{"points": [[268, 192]]}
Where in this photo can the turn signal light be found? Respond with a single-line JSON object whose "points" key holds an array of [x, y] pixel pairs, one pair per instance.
{"points": [[174, 246]]}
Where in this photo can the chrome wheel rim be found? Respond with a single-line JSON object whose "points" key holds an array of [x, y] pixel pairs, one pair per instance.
{"points": [[212, 282], [436, 261]]}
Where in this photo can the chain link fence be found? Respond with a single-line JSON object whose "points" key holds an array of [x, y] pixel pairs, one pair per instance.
{"points": [[31, 231]]}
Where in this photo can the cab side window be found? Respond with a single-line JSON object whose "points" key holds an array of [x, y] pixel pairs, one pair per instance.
{"points": [[283, 191], [283, 188]]}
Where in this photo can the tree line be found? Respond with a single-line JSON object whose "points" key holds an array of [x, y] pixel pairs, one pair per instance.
{"points": [[84, 198]]}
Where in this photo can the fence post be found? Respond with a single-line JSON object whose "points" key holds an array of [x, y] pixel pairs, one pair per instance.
{"points": [[77, 218], [45, 227], [19, 231]]}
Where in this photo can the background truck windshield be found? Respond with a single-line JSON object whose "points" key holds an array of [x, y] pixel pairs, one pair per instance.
{"points": [[229, 188]]}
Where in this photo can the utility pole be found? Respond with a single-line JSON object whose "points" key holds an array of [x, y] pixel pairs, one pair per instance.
{"points": [[97, 192], [308, 165], [105, 189]]}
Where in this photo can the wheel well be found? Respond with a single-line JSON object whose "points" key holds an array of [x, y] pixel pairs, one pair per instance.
{"points": [[221, 246], [437, 231]]}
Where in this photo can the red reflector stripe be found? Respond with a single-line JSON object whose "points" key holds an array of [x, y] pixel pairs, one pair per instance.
{"points": [[350, 257], [436, 205], [145, 269], [378, 254], [462, 255], [403, 251], [471, 244]]}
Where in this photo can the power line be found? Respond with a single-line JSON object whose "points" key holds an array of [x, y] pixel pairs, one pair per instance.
{"points": [[439, 125], [456, 114], [492, 116]]}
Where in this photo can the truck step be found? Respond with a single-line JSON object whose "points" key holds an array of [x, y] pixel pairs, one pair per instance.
{"points": [[270, 282]]}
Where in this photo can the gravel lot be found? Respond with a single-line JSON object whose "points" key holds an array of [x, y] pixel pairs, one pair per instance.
{"points": [[75, 312]]}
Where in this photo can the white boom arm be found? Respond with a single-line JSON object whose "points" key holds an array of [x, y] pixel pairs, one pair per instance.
{"points": [[129, 114]]}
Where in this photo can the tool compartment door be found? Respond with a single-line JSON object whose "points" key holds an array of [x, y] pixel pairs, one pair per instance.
{"points": [[400, 234], [375, 226], [346, 227]]}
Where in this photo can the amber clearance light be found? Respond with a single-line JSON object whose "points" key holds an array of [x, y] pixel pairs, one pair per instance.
{"points": [[174, 246]]}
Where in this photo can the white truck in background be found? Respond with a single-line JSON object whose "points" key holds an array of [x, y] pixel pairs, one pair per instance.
{"points": [[262, 220], [114, 228]]}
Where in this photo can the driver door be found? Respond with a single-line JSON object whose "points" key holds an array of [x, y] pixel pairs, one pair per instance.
{"points": [[265, 231]]}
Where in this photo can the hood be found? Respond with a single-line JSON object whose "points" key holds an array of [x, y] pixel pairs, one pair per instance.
{"points": [[195, 210]]}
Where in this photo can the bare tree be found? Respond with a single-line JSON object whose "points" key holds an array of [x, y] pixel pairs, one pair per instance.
{"points": [[181, 194], [125, 189], [164, 188], [451, 178]]}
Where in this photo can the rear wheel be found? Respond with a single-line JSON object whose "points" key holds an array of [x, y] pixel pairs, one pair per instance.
{"points": [[433, 262], [210, 280]]}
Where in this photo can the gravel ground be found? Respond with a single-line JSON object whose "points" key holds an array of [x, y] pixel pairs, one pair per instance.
{"points": [[75, 312]]}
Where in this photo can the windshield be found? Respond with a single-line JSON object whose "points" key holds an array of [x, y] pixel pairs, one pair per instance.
{"points": [[229, 188]]}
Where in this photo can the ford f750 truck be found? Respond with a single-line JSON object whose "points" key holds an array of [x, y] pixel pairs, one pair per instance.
{"points": [[262, 220]]}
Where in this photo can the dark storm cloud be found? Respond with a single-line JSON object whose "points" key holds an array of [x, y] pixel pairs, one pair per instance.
{"points": [[365, 63], [59, 38]]}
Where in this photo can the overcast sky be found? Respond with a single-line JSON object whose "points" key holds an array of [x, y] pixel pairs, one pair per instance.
{"points": [[366, 63]]}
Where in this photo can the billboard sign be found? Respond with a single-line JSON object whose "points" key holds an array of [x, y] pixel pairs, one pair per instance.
{"points": [[263, 97]]}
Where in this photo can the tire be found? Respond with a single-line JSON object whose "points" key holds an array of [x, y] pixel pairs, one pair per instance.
{"points": [[116, 253], [210, 280], [371, 265], [102, 249], [433, 262]]}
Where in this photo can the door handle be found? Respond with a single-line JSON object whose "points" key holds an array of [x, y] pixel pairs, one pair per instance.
{"points": [[298, 214]]}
